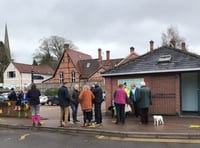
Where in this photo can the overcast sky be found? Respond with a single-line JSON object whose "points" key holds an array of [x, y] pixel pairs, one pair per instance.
{"points": [[113, 25]]}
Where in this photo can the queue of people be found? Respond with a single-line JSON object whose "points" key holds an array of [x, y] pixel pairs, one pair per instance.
{"points": [[90, 100], [138, 98]]}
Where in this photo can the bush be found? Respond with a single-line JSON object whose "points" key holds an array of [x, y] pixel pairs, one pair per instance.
{"points": [[51, 92]]}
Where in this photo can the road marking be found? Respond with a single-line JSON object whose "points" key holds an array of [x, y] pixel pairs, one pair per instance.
{"points": [[22, 137], [194, 126], [155, 140]]}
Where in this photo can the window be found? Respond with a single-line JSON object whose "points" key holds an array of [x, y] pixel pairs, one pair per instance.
{"points": [[164, 58], [61, 77], [88, 65], [73, 76], [11, 74]]}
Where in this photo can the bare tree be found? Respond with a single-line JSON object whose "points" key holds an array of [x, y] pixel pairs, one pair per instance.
{"points": [[51, 50], [172, 37]]}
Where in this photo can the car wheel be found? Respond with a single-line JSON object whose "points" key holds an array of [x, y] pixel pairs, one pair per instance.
{"points": [[50, 103]]}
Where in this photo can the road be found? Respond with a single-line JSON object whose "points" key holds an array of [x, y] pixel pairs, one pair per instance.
{"points": [[15, 138]]}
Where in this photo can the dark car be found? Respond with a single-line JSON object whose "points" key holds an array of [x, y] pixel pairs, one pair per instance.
{"points": [[53, 100]]}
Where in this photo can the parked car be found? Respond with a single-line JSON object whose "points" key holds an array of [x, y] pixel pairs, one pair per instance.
{"points": [[53, 100], [4, 97], [43, 99]]}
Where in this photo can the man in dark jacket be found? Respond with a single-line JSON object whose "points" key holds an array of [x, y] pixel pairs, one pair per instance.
{"points": [[75, 102], [64, 102], [98, 93], [143, 102]]}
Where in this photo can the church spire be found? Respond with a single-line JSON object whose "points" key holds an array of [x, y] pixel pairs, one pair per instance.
{"points": [[6, 43]]}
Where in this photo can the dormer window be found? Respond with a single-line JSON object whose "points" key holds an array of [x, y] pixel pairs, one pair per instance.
{"points": [[88, 65], [164, 58]]}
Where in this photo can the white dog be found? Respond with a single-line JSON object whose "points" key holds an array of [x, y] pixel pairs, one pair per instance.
{"points": [[158, 120]]}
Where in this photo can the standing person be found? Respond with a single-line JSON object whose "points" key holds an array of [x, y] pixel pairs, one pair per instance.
{"points": [[85, 98], [143, 102], [128, 100], [33, 95], [13, 97], [120, 101], [133, 95], [19, 100], [64, 102], [75, 102], [98, 93]]}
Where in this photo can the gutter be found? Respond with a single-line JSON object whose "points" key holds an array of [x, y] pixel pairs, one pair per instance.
{"points": [[150, 72]]}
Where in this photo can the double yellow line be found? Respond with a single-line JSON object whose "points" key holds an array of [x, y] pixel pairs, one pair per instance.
{"points": [[155, 140]]}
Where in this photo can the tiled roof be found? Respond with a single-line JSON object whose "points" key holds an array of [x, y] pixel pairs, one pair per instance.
{"points": [[77, 55], [89, 67], [149, 63], [25, 68]]}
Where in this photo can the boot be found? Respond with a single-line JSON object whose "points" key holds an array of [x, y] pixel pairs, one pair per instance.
{"points": [[38, 120], [33, 121]]}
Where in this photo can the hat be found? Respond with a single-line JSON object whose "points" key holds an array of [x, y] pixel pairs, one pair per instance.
{"points": [[142, 83]]}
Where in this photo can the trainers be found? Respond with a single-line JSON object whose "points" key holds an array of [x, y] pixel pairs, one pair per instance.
{"points": [[33, 124]]}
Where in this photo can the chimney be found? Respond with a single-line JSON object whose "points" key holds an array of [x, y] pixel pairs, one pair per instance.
{"points": [[132, 49], [151, 45], [66, 46], [107, 57], [183, 46], [99, 54], [173, 43]]}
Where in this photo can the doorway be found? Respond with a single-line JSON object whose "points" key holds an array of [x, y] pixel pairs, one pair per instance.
{"points": [[190, 93]]}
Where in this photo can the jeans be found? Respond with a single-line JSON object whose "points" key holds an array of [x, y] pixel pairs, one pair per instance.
{"points": [[120, 108], [35, 110], [74, 108]]}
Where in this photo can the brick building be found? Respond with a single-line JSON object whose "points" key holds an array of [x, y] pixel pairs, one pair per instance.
{"points": [[172, 74], [78, 67]]}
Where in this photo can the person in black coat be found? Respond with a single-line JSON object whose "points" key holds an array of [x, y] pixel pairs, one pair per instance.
{"points": [[64, 102], [75, 102], [12, 96], [33, 96], [98, 93]]}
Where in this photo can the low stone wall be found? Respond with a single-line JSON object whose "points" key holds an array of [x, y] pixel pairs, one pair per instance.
{"points": [[7, 110]]}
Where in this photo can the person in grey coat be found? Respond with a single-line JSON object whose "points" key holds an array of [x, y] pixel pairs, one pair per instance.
{"points": [[143, 102]]}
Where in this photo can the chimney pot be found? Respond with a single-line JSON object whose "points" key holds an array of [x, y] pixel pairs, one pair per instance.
{"points": [[66, 46], [151, 45], [132, 49], [99, 54], [107, 57], [183, 47], [173, 43]]}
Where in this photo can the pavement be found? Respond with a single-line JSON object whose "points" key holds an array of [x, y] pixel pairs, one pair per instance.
{"points": [[186, 127]]}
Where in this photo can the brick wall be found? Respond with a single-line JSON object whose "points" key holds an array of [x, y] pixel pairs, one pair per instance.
{"points": [[164, 87]]}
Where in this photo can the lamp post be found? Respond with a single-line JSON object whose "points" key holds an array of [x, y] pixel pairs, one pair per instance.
{"points": [[32, 76]]}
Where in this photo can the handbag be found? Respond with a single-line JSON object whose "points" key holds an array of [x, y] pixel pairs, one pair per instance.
{"points": [[128, 108]]}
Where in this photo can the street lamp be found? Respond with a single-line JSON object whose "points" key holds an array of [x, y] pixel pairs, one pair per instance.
{"points": [[32, 76]]}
